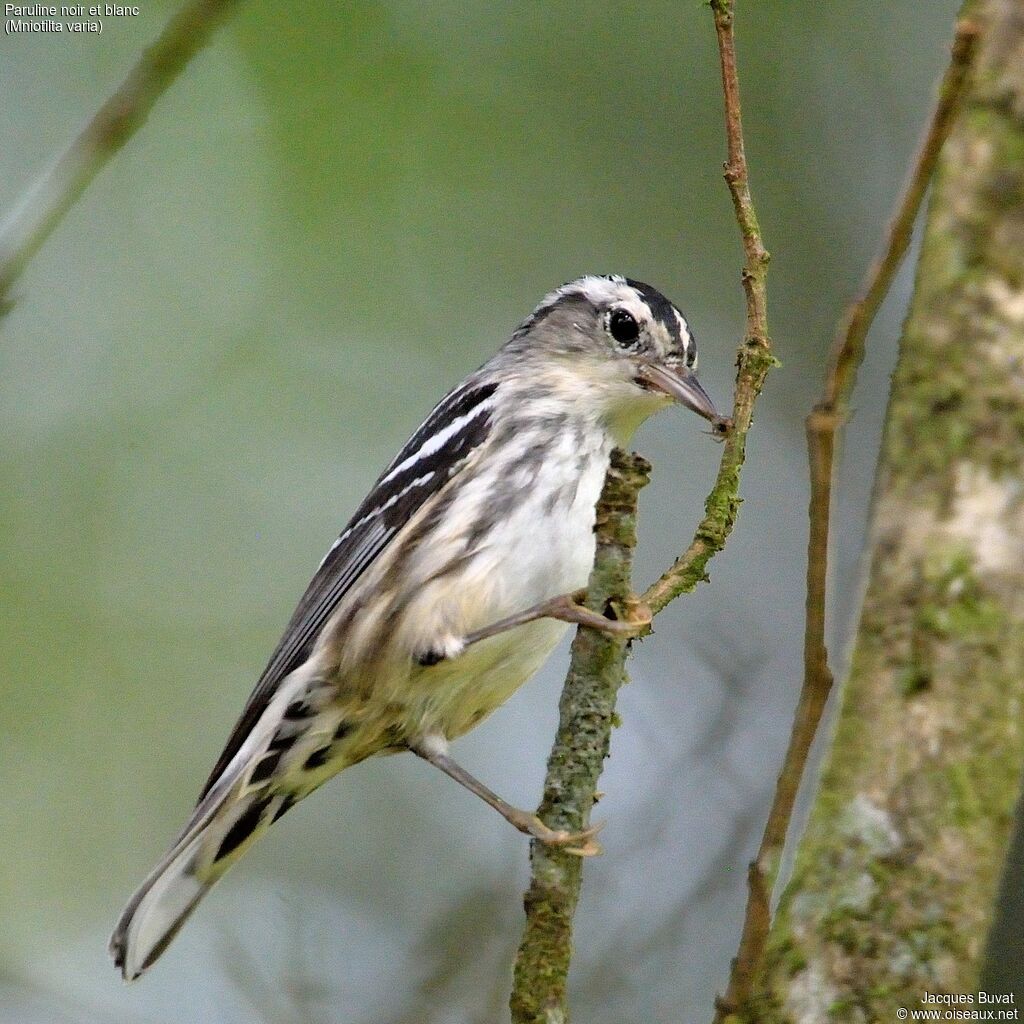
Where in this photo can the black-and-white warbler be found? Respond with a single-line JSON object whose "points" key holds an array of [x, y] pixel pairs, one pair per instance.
{"points": [[449, 587]]}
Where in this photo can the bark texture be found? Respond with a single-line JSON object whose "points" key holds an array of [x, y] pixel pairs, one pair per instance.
{"points": [[586, 717], [896, 878]]}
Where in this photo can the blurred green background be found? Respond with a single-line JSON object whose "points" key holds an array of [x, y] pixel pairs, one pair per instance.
{"points": [[336, 213]]}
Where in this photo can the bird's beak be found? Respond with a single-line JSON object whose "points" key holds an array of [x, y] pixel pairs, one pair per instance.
{"points": [[683, 386]]}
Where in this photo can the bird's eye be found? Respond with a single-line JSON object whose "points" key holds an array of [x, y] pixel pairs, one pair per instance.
{"points": [[623, 326]]}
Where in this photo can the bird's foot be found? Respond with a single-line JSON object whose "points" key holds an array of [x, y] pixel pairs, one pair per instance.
{"points": [[581, 844], [632, 619], [632, 616]]}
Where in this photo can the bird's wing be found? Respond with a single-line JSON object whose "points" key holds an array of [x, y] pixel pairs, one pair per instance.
{"points": [[458, 425]]}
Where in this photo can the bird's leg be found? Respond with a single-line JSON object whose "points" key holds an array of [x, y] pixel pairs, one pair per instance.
{"points": [[633, 621], [568, 608], [435, 750]]}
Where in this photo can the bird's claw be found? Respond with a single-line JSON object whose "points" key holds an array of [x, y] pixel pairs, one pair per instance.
{"points": [[633, 616], [580, 844], [721, 427]]}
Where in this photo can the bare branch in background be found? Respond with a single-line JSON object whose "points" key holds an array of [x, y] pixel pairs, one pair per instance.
{"points": [[896, 878], [50, 197], [822, 425]]}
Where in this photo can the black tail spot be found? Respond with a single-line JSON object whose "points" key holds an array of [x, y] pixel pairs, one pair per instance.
{"points": [[286, 805], [242, 828], [297, 710], [317, 759], [265, 768], [281, 742]]}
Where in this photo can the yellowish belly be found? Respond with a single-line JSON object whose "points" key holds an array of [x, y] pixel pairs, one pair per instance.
{"points": [[453, 696]]}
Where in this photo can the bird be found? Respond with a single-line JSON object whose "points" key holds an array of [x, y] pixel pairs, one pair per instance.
{"points": [[451, 584]]}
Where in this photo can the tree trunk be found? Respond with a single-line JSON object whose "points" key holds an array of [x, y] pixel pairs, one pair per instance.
{"points": [[897, 876]]}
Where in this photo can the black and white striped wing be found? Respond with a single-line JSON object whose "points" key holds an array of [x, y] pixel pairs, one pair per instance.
{"points": [[432, 456]]}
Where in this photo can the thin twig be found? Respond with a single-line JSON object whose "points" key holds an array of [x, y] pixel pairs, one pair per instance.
{"points": [[50, 197], [754, 358], [848, 348], [822, 425], [596, 666]]}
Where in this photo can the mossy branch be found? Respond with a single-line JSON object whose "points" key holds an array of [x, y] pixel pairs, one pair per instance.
{"points": [[754, 359], [586, 713], [895, 881], [56, 190], [822, 426], [597, 664]]}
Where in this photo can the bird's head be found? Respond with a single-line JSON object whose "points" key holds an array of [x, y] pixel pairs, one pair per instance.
{"points": [[619, 344]]}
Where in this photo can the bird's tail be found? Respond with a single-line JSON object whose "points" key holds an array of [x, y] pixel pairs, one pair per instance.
{"points": [[221, 829]]}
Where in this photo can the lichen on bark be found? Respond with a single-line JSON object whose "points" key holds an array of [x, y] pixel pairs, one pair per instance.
{"points": [[586, 715], [896, 877]]}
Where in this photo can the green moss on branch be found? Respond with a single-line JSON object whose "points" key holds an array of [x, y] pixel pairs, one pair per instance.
{"points": [[895, 881], [586, 718]]}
